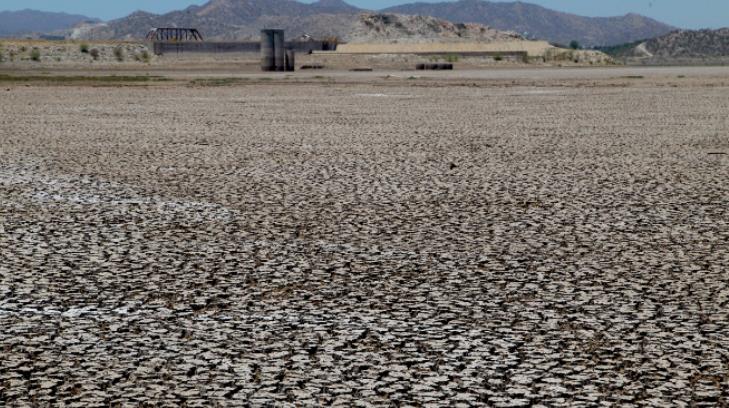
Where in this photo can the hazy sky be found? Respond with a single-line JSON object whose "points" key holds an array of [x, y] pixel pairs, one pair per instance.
{"points": [[681, 13]]}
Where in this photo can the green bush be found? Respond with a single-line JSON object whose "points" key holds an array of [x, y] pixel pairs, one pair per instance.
{"points": [[119, 54], [575, 45], [84, 48], [452, 58], [35, 54], [2, 55], [498, 57], [95, 53]]}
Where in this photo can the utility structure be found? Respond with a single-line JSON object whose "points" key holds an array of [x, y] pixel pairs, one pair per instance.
{"points": [[290, 60], [274, 55], [174, 34]]}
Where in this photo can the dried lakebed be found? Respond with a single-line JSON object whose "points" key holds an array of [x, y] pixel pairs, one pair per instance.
{"points": [[369, 244]]}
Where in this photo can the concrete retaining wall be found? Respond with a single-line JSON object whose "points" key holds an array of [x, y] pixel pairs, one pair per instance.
{"points": [[161, 48], [532, 48]]}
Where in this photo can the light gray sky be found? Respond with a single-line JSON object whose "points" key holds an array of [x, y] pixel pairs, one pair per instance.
{"points": [[681, 13]]}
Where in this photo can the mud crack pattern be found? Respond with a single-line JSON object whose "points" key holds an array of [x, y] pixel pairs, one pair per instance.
{"points": [[305, 245]]}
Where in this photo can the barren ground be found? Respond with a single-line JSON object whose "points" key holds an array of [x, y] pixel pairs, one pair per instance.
{"points": [[490, 239]]}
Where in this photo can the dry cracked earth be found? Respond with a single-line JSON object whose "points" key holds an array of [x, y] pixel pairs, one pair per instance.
{"points": [[406, 243]]}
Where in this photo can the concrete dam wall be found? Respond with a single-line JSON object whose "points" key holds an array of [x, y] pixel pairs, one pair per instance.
{"points": [[161, 48]]}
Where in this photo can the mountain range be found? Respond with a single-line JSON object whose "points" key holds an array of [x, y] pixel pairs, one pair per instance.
{"points": [[239, 20], [242, 19], [13, 23], [539, 22]]}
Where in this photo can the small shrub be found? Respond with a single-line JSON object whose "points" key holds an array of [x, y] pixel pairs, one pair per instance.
{"points": [[95, 53], [119, 54], [35, 55], [217, 81], [452, 58], [2, 55], [498, 57], [23, 48], [84, 48], [575, 45], [143, 57]]}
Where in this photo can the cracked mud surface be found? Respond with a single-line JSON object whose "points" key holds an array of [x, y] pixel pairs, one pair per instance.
{"points": [[364, 245]]}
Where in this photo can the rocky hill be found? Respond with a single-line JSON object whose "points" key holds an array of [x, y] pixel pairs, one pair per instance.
{"points": [[17, 23], [542, 23], [387, 28], [687, 44], [680, 46]]}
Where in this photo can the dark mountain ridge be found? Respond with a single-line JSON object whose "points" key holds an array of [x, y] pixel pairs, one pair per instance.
{"points": [[13, 23]]}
